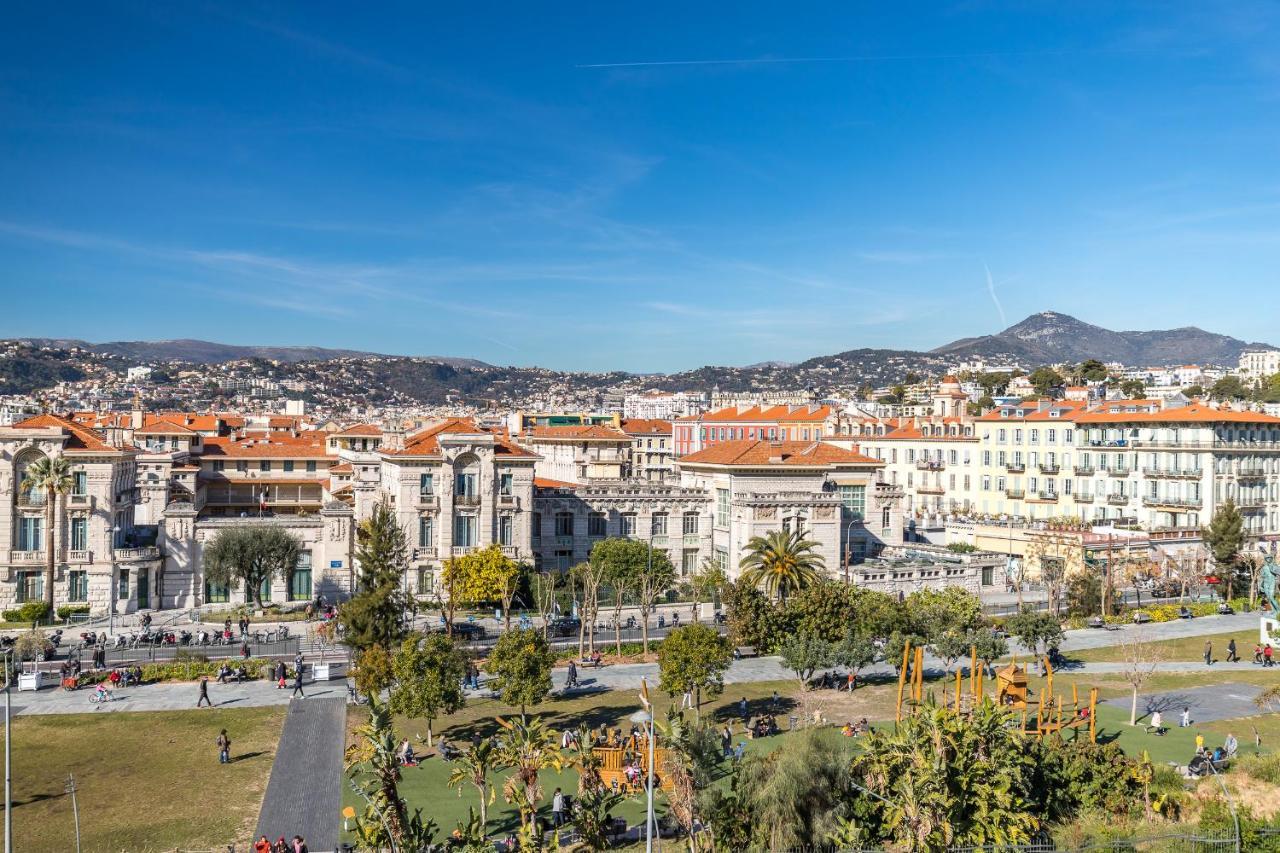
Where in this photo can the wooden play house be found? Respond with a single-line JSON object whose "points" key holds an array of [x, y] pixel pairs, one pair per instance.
{"points": [[1011, 687], [613, 764]]}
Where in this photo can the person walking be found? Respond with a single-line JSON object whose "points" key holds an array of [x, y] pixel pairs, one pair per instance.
{"points": [[297, 684], [1232, 657], [726, 741], [573, 675], [1266, 656], [299, 845], [204, 692], [1208, 652], [224, 748], [1184, 720], [262, 845]]}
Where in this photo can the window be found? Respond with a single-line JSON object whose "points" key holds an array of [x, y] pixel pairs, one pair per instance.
{"points": [[287, 465], [300, 578], [986, 457], [564, 524], [122, 585], [218, 464], [464, 531], [854, 499], [216, 593], [242, 466], [79, 534], [30, 586], [628, 521], [596, 524], [80, 483], [885, 519], [78, 585], [311, 466], [506, 528], [688, 562], [690, 524], [264, 465], [722, 507], [536, 524], [426, 531], [426, 484], [1035, 436], [504, 484], [1052, 435], [465, 485], [722, 558], [426, 581], [658, 524], [30, 533]]}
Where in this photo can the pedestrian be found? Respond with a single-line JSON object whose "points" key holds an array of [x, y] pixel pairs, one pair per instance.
{"points": [[742, 707], [297, 684], [686, 701], [1230, 745], [262, 845], [557, 809], [774, 702], [244, 651], [1185, 720], [299, 845], [726, 741], [1232, 657], [224, 748], [852, 681], [204, 692], [297, 660], [1266, 656], [1199, 742], [573, 674], [1208, 652]]}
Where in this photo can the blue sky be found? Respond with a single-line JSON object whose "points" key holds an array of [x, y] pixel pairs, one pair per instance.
{"points": [[416, 179]]}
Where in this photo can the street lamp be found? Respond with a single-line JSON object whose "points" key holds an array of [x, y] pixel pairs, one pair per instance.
{"points": [[8, 764], [643, 717], [848, 546]]}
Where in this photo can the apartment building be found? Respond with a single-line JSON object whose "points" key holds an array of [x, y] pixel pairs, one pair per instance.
{"points": [[1024, 458], [753, 423], [1259, 364], [579, 454], [664, 406], [652, 448]]}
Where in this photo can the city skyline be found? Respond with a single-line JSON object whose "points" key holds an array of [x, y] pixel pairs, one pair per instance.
{"points": [[649, 194]]}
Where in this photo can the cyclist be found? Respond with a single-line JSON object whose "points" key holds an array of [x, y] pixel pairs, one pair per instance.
{"points": [[102, 693]]}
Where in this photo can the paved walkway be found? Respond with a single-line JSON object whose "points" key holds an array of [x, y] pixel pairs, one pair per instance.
{"points": [[304, 795], [170, 697]]}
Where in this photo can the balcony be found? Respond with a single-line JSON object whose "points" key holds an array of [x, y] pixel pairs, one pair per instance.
{"points": [[1015, 467], [27, 557], [1045, 497], [1082, 498], [1174, 473], [427, 552], [466, 500], [79, 501], [1118, 500], [511, 551], [508, 501], [930, 464], [1180, 503], [80, 556], [428, 500], [1251, 473], [1084, 470], [461, 550], [1016, 494], [1250, 504], [26, 498], [1049, 467], [1119, 472], [133, 555], [658, 540], [930, 490], [564, 541], [692, 540]]}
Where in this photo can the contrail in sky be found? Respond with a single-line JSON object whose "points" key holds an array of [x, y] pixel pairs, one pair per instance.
{"points": [[820, 59], [991, 288]]}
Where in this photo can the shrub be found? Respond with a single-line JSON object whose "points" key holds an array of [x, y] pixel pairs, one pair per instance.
{"points": [[189, 670], [32, 611], [66, 611]]}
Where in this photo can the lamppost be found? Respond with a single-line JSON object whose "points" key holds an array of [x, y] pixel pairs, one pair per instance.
{"points": [[8, 763], [645, 718], [848, 547]]}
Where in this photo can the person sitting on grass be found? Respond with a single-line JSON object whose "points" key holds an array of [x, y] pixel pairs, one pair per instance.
{"points": [[448, 751], [1230, 745], [406, 756], [1157, 723]]}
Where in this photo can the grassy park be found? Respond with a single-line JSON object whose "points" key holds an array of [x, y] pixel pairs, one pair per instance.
{"points": [[146, 781]]}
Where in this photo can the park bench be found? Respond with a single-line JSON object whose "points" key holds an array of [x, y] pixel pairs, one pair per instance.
{"points": [[745, 652]]}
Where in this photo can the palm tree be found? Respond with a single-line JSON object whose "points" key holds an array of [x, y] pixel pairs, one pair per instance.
{"points": [[583, 757], [528, 747], [782, 562], [52, 477], [473, 767]]}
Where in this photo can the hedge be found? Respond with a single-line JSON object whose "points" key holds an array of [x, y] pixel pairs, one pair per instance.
{"points": [[1161, 612], [32, 611], [66, 611], [188, 670]]}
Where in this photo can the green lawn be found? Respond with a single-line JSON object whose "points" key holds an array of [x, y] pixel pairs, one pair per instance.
{"points": [[1181, 649], [147, 781]]}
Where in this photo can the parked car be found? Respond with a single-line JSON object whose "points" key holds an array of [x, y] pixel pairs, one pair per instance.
{"points": [[565, 626], [466, 631]]}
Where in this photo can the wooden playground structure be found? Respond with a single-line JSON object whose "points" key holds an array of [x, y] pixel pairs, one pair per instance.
{"points": [[1013, 692], [614, 760]]}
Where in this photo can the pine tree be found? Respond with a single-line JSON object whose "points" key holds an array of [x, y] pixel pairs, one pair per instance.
{"points": [[375, 615], [1225, 537]]}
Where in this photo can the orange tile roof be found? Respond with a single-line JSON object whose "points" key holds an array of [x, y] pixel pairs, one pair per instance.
{"points": [[789, 414], [79, 437], [164, 428], [585, 432], [274, 445], [547, 483], [759, 452], [1033, 411], [646, 426], [426, 443], [1191, 413], [341, 468], [360, 430]]}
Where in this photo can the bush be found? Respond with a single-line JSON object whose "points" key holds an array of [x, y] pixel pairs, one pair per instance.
{"points": [[66, 611], [32, 611]]}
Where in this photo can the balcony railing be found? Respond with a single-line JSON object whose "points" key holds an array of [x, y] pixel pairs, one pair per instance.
{"points": [[1015, 467], [148, 552], [1046, 496], [692, 539], [461, 550], [508, 501], [1250, 504], [428, 500], [512, 551], [1186, 503], [465, 499], [1049, 467], [564, 541], [31, 557], [1119, 472], [1117, 500], [930, 490], [1082, 498], [426, 552], [79, 501], [1084, 470], [1184, 473], [1016, 494], [26, 498], [1251, 473], [80, 556], [930, 464]]}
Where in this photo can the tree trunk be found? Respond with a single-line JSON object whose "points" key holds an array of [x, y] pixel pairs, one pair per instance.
{"points": [[50, 543], [582, 636], [1133, 707], [697, 703], [429, 721], [617, 625], [484, 810], [644, 628]]}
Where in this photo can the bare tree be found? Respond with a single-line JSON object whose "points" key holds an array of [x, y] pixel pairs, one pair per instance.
{"points": [[588, 575], [1140, 659]]}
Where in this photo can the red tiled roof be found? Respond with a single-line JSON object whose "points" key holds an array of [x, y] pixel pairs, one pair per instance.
{"points": [[426, 443], [1066, 410], [646, 426], [164, 428], [341, 468], [547, 483], [591, 432], [780, 414], [273, 445], [1191, 413], [360, 430], [79, 437], [798, 453]]}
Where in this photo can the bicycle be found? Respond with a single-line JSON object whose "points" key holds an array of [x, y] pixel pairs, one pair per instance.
{"points": [[100, 697]]}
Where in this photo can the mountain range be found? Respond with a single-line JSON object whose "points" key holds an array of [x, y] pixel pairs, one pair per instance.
{"points": [[209, 352]]}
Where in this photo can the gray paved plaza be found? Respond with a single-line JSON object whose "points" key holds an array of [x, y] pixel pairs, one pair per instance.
{"points": [[304, 794], [1217, 702]]}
